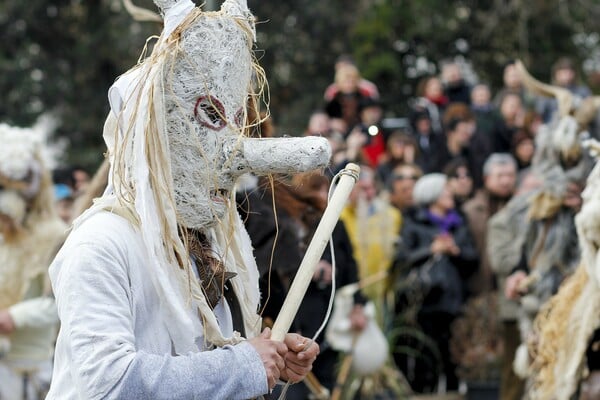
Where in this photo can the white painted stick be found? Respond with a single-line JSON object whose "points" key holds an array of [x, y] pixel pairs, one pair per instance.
{"points": [[314, 252]]}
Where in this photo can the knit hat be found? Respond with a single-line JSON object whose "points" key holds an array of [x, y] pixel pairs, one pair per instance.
{"points": [[429, 188]]}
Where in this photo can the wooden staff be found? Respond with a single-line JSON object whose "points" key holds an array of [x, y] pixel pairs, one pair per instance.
{"points": [[319, 391], [342, 376], [349, 176]]}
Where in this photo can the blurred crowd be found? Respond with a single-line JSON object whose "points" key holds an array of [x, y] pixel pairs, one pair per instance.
{"points": [[441, 220]]}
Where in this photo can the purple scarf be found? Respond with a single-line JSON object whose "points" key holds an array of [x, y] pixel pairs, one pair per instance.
{"points": [[445, 224]]}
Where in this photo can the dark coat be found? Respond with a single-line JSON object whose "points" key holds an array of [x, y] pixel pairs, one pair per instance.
{"points": [[313, 308], [414, 251], [429, 149], [281, 246]]}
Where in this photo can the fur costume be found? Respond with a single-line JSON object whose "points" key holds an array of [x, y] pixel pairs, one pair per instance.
{"points": [[30, 233], [567, 322], [559, 159]]}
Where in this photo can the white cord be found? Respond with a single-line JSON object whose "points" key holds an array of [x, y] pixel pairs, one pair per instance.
{"points": [[333, 271]]}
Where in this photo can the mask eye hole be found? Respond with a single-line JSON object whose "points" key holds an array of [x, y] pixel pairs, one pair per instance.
{"points": [[210, 113]]}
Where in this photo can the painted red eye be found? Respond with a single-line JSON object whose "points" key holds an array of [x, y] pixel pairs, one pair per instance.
{"points": [[210, 113], [239, 118]]}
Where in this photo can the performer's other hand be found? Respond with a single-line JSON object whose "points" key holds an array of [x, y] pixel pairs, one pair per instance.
{"points": [[271, 353], [512, 287], [7, 324], [300, 358]]}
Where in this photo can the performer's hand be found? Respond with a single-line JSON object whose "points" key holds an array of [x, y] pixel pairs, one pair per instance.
{"points": [[271, 353], [512, 288], [7, 324], [299, 359]]}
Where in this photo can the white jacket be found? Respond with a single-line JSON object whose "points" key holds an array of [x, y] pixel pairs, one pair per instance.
{"points": [[112, 345]]}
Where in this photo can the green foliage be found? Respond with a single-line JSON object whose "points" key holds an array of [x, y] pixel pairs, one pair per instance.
{"points": [[62, 55]]}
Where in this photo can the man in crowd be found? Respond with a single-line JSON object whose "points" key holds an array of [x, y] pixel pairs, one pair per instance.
{"points": [[500, 178]]}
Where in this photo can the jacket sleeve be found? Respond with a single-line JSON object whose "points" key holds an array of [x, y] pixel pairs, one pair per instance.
{"points": [[94, 300], [467, 260], [412, 250], [505, 244], [34, 313]]}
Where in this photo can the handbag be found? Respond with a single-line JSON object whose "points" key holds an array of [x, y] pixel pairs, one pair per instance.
{"points": [[428, 276]]}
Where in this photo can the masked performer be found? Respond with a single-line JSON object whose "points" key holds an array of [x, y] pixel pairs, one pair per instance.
{"points": [[30, 233], [557, 339], [565, 347], [156, 286]]}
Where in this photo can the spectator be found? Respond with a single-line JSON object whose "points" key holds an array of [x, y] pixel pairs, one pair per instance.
{"points": [[366, 88], [500, 177], [370, 126], [460, 126], [460, 181], [437, 240], [513, 84], [319, 124], [523, 148], [373, 226], [431, 98], [346, 102], [280, 234], [428, 144], [400, 186], [455, 87], [485, 112], [313, 308], [512, 119], [75, 177], [64, 201], [401, 148], [81, 179], [564, 75]]}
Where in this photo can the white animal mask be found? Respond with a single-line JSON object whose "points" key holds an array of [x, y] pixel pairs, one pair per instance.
{"points": [[207, 80], [20, 170]]}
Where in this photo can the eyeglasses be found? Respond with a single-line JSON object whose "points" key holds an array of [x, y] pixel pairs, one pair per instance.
{"points": [[400, 177], [461, 176]]}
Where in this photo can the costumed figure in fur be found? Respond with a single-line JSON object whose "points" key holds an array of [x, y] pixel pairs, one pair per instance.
{"points": [[564, 349], [566, 325], [550, 252], [156, 286], [30, 233]]}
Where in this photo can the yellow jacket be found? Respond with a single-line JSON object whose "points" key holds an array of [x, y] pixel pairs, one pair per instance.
{"points": [[374, 230]]}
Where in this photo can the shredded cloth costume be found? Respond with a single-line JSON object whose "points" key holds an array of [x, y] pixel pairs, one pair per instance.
{"points": [[30, 233], [553, 356], [137, 314], [567, 322]]}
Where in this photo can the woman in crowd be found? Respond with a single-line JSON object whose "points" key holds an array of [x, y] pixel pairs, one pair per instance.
{"points": [[437, 246]]}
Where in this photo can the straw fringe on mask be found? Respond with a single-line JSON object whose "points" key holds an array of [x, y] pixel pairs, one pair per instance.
{"points": [[141, 190]]}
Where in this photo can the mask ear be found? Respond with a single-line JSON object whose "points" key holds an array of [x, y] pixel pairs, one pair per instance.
{"points": [[141, 14], [563, 96], [239, 8]]}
